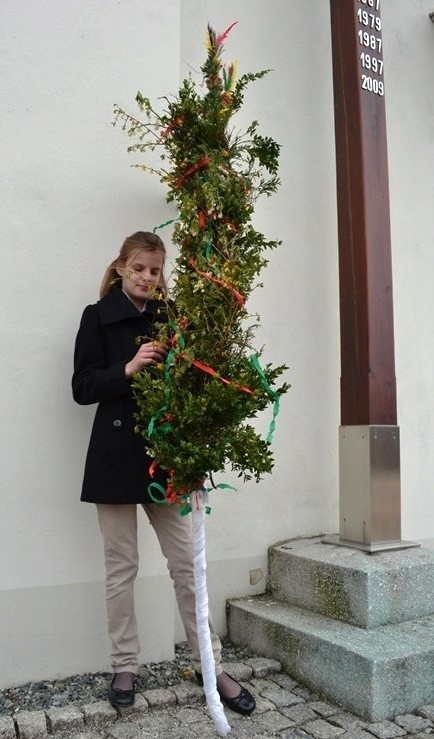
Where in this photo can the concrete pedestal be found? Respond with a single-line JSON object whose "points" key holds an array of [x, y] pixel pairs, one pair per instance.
{"points": [[356, 628]]}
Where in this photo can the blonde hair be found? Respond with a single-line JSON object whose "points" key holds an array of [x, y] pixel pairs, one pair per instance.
{"points": [[139, 240]]}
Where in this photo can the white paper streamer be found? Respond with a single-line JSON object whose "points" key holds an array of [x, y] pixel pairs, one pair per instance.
{"points": [[198, 502]]}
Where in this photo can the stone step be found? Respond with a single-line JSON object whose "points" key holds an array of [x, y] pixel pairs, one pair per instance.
{"points": [[349, 585], [376, 673]]}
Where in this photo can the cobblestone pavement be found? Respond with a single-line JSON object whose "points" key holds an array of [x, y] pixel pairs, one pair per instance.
{"points": [[284, 709]]}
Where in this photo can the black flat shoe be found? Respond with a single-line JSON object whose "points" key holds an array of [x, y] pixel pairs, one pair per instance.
{"points": [[243, 703], [120, 698]]}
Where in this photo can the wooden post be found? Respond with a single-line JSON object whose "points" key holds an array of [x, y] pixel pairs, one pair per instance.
{"points": [[370, 516]]}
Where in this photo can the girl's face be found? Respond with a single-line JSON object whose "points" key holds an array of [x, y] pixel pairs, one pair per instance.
{"points": [[141, 275]]}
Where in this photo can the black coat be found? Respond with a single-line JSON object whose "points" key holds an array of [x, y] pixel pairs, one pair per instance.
{"points": [[117, 466]]}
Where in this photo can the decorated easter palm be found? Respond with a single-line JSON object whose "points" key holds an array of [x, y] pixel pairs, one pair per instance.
{"points": [[194, 410]]}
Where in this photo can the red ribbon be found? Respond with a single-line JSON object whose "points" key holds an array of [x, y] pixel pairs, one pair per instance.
{"points": [[152, 468], [172, 495], [203, 217], [229, 223], [172, 125], [199, 165], [210, 371], [208, 276]]}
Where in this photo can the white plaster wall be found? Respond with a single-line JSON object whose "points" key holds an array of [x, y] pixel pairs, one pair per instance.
{"points": [[298, 303], [69, 198], [409, 58]]}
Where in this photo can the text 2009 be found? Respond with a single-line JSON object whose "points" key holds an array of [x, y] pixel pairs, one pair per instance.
{"points": [[372, 85]]}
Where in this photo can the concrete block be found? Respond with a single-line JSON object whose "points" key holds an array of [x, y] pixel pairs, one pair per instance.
{"points": [[127, 731], [155, 724], [352, 586], [31, 724], [321, 729], [295, 734], [188, 693], [375, 673], [263, 705], [187, 716], [299, 714], [7, 728], [413, 724], [203, 729], [99, 714], [139, 707], [356, 733], [159, 698], [260, 684], [285, 682], [238, 670], [272, 722], [325, 710], [426, 712], [262, 667], [281, 698], [305, 694], [69, 718], [386, 730], [347, 721]]}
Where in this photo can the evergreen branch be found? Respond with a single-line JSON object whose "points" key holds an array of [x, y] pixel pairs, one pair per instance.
{"points": [[214, 173]]}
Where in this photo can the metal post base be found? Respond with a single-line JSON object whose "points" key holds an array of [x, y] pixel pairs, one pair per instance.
{"points": [[369, 489], [378, 546]]}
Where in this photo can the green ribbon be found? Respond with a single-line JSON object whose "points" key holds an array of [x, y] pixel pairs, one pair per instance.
{"points": [[166, 223], [254, 361], [168, 362], [185, 509], [156, 486], [165, 428], [151, 425], [208, 249]]}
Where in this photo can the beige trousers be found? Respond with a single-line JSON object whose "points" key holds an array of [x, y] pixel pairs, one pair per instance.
{"points": [[118, 524]]}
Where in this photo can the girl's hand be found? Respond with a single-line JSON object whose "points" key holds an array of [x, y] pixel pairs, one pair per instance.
{"points": [[148, 354]]}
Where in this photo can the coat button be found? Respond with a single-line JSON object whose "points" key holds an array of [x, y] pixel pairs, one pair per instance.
{"points": [[117, 423]]}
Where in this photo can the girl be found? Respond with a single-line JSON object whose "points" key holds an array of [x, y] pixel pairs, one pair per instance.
{"points": [[116, 475]]}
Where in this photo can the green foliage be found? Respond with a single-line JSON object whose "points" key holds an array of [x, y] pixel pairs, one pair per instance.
{"points": [[192, 410]]}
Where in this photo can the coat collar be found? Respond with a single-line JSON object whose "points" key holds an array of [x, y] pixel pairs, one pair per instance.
{"points": [[115, 307]]}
